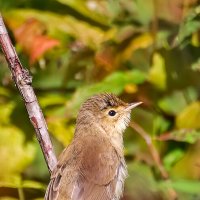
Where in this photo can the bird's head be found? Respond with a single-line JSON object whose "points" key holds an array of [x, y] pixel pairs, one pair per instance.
{"points": [[111, 113]]}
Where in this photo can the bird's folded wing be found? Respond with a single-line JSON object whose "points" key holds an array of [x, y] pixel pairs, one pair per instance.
{"points": [[87, 170]]}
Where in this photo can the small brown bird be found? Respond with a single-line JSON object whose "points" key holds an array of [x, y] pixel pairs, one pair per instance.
{"points": [[92, 167]]}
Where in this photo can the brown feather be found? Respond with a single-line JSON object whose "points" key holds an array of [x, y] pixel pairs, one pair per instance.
{"points": [[92, 167], [95, 171]]}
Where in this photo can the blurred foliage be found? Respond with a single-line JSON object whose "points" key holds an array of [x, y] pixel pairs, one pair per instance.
{"points": [[140, 50]]}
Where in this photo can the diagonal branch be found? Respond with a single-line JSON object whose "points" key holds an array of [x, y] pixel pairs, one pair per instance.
{"points": [[23, 82], [154, 153]]}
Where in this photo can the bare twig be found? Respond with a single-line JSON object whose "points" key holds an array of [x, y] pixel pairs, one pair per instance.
{"points": [[155, 155], [23, 82], [152, 148]]}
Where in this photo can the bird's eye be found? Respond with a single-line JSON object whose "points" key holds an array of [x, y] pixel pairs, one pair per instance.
{"points": [[112, 113]]}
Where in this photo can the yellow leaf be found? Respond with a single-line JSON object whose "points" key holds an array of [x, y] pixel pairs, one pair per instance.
{"points": [[131, 88], [189, 117], [157, 73], [15, 154], [61, 131], [195, 39], [188, 166], [141, 42]]}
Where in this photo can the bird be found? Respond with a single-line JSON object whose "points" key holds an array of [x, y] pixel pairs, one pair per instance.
{"points": [[93, 166]]}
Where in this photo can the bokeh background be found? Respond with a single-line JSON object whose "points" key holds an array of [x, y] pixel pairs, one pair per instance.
{"points": [[141, 50]]}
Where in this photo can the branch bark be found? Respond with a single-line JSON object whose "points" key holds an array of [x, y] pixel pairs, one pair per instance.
{"points": [[23, 82]]}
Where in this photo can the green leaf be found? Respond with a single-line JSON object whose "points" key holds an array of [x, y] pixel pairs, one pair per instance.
{"points": [[17, 182], [4, 92], [187, 186], [174, 103], [160, 125], [87, 8], [33, 184], [190, 136], [189, 26], [172, 157], [5, 112], [188, 29], [147, 13], [51, 100]]}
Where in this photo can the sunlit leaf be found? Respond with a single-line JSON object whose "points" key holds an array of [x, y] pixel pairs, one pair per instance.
{"points": [[4, 92], [88, 8], [188, 166], [131, 88], [17, 182], [195, 39], [51, 99], [141, 42], [12, 143], [11, 181], [5, 112], [157, 73], [189, 117], [33, 184], [147, 8], [187, 186], [62, 131]]}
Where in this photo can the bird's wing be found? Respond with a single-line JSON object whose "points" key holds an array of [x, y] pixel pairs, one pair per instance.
{"points": [[87, 170], [65, 174], [99, 169]]}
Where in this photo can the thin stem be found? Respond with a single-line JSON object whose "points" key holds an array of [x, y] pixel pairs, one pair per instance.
{"points": [[21, 194], [155, 155]]}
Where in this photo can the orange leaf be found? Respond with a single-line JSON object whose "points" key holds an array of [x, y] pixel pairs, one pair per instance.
{"points": [[30, 36], [40, 46]]}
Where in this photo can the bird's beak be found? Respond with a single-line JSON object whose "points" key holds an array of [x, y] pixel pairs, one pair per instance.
{"points": [[133, 105]]}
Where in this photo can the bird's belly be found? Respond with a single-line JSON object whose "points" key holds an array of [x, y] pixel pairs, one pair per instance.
{"points": [[121, 176]]}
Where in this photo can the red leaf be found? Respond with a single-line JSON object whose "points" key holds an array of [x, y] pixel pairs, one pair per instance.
{"points": [[40, 46], [30, 35]]}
